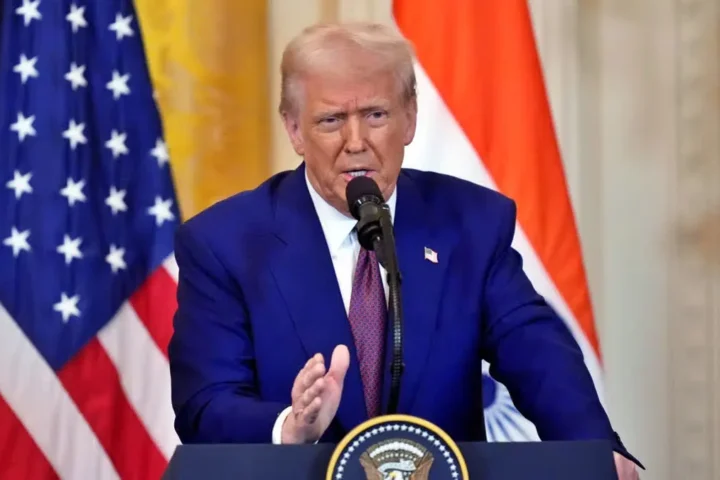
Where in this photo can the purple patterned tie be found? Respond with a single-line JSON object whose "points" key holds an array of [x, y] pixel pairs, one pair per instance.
{"points": [[367, 313]]}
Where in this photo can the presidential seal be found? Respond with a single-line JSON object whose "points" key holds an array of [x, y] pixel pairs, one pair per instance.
{"points": [[397, 447]]}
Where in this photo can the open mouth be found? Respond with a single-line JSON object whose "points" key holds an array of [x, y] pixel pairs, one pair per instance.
{"points": [[350, 174]]}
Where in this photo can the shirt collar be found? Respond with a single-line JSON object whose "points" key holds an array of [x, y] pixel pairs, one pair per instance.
{"points": [[336, 225]]}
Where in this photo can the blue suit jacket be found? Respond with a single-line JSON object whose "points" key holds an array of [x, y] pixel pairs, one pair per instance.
{"points": [[258, 296]]}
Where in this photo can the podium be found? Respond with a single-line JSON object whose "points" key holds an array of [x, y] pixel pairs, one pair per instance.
{"points": [[589, 460]]}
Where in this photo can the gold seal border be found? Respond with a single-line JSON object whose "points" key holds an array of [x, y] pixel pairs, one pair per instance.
{"points": [[366, 425]]}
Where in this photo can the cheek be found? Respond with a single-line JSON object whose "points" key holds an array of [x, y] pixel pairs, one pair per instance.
{"points": [[390, 147], [324, 148]]}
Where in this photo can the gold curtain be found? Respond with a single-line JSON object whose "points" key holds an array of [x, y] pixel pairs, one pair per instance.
{"points": [[208, 63]]}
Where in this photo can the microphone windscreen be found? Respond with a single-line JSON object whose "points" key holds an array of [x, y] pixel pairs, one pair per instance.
{"points": [[359, 190]]}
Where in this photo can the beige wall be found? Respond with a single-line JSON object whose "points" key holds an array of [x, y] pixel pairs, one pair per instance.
{"points": [[634, 88]]}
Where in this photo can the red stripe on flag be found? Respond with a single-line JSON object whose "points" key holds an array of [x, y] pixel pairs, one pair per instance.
{"points": [[155, 304], [20, 456], [93, 383], [481, 57]]}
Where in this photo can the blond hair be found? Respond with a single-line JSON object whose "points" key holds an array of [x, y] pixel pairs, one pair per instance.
{"points": [[358, 49]]}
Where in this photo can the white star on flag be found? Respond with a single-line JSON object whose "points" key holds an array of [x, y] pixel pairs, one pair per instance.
{"points": [[26, 68], [161, 211], [76, 76], [74, 133], [20, 183], [118, 84], [29, 11], [24, 126], [70, 248], [67, 306], [160, 152], [73, 191], [121, 26], [117, 143], [18, 241], [116, 200], [76, 17], [115, 258]]}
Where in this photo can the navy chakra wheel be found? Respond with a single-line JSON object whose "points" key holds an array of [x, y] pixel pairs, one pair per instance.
{"points": [[397, 447], [503, 422]]}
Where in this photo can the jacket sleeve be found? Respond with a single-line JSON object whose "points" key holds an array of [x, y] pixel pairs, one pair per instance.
{"points": [[533, 353], [212, 365]]}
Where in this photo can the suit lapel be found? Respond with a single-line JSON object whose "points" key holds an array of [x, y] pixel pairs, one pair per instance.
{"points": [[417, 227], [305, 275]]}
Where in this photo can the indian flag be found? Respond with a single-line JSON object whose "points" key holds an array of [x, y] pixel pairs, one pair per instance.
{"points": [[484, 116]]}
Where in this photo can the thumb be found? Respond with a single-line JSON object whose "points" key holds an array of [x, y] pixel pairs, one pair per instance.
{"points": [[339, 363]]}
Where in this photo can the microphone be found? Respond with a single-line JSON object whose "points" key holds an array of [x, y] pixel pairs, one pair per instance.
{"points": [[366, 204], [375, 232]]}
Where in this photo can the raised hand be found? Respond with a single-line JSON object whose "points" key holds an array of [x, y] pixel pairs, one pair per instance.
{"points": [[315, 396]]}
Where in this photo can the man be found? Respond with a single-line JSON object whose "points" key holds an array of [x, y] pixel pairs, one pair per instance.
{"points": [[280, 332]]}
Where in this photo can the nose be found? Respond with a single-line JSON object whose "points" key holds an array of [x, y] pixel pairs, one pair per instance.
{"points": [[355, 136]]}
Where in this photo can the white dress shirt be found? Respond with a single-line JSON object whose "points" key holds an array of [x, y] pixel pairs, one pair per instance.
{"points": [[344, 249]]}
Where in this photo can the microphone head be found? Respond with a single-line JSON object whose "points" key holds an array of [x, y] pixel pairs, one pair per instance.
{"points": [[361, 190]]}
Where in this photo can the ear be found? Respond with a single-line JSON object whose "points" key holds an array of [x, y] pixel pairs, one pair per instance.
{"points": [[411, 121], [292, 126]]}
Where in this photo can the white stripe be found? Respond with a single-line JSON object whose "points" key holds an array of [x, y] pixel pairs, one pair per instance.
{"points": [[172, 267], [144, 375], [441, 145], [33, 391]]}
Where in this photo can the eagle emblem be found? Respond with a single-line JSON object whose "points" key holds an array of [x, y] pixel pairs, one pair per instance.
{"points": [[396, 459], [396, 447]]}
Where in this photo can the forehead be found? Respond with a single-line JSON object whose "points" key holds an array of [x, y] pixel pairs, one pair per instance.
{"points": [[348, 91]]}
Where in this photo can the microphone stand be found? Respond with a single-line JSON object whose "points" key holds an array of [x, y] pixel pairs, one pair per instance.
{"points": [[385, 247]]}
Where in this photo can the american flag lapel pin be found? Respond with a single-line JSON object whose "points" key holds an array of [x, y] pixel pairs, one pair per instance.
{"points": [[431, 255]]}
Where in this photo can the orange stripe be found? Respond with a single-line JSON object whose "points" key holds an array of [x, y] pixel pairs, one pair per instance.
{"points": [[93, 383], [20, 456], [155, 304], [481, 56]]}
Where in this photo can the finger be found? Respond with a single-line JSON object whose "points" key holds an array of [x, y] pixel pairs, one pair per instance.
{"points": [[339, 363], [298, 385], [317, 358], [312, 374], [312, 411], [314, 391], [308, 380], [311, 393]]}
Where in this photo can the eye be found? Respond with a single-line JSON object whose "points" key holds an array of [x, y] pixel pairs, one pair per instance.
{"points": [[329, 123], [377, 117]]}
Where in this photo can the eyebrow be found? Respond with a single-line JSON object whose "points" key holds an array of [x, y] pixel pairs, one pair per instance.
{"points": [[339, 112], [329, 113]]}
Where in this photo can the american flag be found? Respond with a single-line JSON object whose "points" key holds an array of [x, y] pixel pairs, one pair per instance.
{"points": [[87, 217]]}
